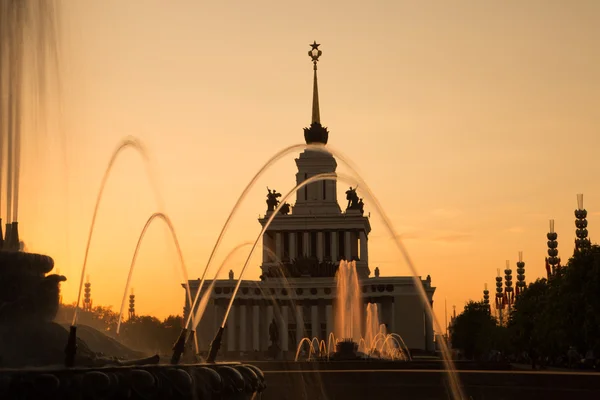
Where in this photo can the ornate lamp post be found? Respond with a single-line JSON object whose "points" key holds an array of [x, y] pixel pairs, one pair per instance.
{"points": [[552, 261], [499, 296], [87, 297], [520, 275], [131, 305], [509, 290], [486, 297], [582, 242]]}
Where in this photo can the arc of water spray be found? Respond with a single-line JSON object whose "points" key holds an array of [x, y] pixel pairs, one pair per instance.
{"points": [[249, 186], [127, 142], [167, 220], [216, 343], [207, 293], [455, 388], [454, 383], [206, 296], [316, 178]]}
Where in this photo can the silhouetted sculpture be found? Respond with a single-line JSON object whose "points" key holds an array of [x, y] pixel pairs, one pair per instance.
{"points": [[285, 209], [231, 274], [352, 198], [273, 332], [274, 349], [376, 272], [361, 206], [272, 200]]}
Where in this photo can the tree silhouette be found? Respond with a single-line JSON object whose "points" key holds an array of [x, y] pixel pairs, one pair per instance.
{"points": [[474, 330]]}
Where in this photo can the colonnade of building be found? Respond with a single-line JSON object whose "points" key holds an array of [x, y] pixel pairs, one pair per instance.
{"points": [[249, 321], [325, 245]]}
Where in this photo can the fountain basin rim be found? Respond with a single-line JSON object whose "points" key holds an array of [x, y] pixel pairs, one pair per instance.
{"points": [[109, 368]]}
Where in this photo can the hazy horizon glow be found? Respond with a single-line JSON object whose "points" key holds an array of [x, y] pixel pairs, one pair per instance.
{"points": [[473, 123]]}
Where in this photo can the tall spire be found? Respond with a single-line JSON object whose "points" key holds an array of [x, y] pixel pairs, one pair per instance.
{"points": [[316, 133], [314, 54]]}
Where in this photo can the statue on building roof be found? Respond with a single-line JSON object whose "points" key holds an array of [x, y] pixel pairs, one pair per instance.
{"points": [[428, 279], [272, 199], [376, 272], [231, 274], [360, 206], [352, 198], [285, 209]]}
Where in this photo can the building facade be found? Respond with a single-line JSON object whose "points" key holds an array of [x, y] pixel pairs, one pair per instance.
{"points": [[302, 249]]}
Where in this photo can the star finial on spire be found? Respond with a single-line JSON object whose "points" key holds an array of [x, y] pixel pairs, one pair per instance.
{"points": [[315, 53]]}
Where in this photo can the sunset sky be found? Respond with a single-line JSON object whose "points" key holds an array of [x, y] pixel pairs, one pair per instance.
{"points": [[474, 123]]}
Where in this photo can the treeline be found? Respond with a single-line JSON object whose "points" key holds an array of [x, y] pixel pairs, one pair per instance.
{"points": [[143, 333], [554, 321]]}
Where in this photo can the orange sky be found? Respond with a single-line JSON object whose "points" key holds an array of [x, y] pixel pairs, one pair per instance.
{"points": [[473, 122]]}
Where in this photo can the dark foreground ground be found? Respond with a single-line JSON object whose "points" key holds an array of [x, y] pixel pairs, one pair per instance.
{"points": [[420, 380]]}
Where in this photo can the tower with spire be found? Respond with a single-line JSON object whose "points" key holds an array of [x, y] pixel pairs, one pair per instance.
{"points": [[317, 230], [305, 244]]}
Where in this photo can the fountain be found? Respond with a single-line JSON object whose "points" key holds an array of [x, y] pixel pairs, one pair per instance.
{"points": [[355, 343], [33, 362]]}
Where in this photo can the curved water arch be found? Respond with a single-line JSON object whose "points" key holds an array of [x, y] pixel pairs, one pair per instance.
{"points": [[125, 143], [331, 340], [249, 186], [316, 178], [167, 220], [310, 347], [454, 384], [405, 348], [207, 293], [200, 311], [312, 342]]}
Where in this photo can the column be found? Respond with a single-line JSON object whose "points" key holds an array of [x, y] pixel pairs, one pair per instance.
{"points": [[266, 255], [255, 328], [364, 248], [243, 327], [334, 246], [269, 317], [279, 246], [217, 320], [230, 327], [299, 325], [348, 245], [392, 316], [314, 321], [306, 244], [292, 237], [320, 245], [428, 332], [364, 321], [329, 319], [284, 328]]}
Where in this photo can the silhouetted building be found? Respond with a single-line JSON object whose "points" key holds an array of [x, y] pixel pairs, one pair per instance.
{"points": [[302, 249]]}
